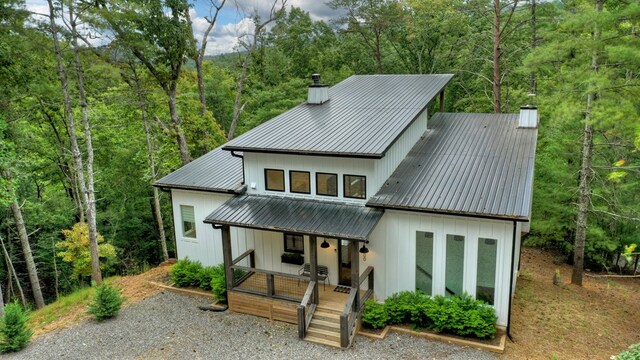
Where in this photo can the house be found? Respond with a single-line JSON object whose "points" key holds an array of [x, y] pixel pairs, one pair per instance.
{"points": [[372, 193]]}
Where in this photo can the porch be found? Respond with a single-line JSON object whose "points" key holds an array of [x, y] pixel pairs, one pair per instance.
{"points": [[322, 314]]}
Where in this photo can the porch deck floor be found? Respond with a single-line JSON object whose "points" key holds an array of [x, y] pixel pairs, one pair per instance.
{"points": [[294, 288]]}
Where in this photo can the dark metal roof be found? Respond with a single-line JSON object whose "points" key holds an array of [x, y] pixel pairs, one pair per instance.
{"points": [[216, 171], [303, 216], [468, 164], [363, 118]]}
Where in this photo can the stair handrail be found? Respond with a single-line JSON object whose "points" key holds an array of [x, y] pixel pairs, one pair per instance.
{"points": [[306, 310], [349, 314]]}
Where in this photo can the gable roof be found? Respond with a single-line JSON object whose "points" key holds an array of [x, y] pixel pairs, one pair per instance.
{"points": [[216, 171], [469, 164], [363, 118]]}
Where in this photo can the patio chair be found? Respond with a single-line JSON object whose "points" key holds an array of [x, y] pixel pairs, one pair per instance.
{"points": [[323, 273]]}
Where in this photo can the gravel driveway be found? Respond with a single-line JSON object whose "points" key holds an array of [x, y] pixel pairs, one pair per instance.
{"points": [[170, 326]]}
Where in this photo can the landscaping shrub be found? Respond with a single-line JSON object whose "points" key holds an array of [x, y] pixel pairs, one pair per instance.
{"points": [[374, 315], [463, 315], [206, 274], [400, 306], [219, 281], [186, 273], [633, 353], [106, 302], [14, 332]]}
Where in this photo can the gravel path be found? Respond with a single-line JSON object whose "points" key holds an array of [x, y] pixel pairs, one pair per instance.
{"points": [[169, 326]]}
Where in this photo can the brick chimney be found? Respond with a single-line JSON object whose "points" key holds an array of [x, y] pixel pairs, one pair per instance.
{"points": [[318, 93]]}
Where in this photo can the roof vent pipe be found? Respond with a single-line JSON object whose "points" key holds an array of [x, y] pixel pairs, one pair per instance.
{"points": [[318, 93], [528, 117]]}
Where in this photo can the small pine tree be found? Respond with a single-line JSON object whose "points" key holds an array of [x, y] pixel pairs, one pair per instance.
{"points": [[106, 302], [14, 332]]}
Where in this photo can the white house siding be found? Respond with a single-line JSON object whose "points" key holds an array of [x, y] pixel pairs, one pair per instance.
{"points": [[399, 150], [255, 163], [392, 253], [207, 246]]}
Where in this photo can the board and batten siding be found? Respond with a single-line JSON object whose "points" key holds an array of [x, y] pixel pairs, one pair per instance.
{"points": [[393, 253], [255, 163], [398, 151]]}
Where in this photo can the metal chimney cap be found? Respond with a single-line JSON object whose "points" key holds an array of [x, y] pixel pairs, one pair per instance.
{"points": [[316, 79]]}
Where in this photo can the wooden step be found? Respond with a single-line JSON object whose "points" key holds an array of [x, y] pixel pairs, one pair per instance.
{"points": [[325, 315], [323, 341], [332, 325], [329, 309], [325, 334]]}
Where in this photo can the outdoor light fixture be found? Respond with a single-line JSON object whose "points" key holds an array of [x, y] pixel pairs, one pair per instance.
{"points": [[364, 251], [324, 244]]}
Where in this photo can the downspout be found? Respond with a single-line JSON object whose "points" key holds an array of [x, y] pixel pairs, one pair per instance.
{"points": [[513, 256], [241, 157]]}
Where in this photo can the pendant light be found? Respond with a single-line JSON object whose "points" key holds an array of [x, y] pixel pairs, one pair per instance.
{"points": [[324, 244], [364, 251]]}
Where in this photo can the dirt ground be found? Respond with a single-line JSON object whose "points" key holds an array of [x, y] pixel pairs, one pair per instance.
{"points": [[595, 321]]}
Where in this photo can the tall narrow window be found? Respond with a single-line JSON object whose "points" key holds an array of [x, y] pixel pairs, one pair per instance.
{"points": [[294, 243], [299, 182], [355, 186], [454, 270], [486, 278], [188, 221], [424, 261], [274, 179], [327, 184]]}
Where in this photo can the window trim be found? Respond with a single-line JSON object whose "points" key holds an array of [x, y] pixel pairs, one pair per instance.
{"points": [[344, 187], [291, 181], [266, 184], [284, 240], [324, 173], [182, 222]]}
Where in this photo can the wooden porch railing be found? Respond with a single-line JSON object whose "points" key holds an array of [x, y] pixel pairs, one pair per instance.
{"points": [[306, 310], [353, 308]]}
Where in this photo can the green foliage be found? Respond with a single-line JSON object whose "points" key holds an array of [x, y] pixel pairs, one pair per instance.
{"points": [[14, 332], [460, 315], [633, 353], [76, 249], [374, 315], [106, 302], [187, 272], [219, 282]]}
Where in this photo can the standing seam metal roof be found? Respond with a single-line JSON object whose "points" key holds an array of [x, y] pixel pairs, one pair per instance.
{"points": [[470, 164], [363, 118], [302, 216], [216, 171]]}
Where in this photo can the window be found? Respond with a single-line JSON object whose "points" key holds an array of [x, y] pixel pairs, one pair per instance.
{"points": [[188, 221], [294, 243], [424, 261], [300, 182], [486, 278], [274, 179], [454, 269], [327, 184], [355, 186]]}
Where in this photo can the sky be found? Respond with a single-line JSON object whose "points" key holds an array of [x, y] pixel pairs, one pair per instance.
{"points": [[233, 20]]}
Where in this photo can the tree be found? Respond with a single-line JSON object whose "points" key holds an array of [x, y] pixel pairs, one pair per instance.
{"points": [[499, 26], [75, 249]]}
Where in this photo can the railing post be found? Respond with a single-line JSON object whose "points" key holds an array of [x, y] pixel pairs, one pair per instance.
{"points": [[370, 285], [301, 322], [344, 331], [313, 255], [355, 272], [270, 285], [252, 259], [227, 257]]}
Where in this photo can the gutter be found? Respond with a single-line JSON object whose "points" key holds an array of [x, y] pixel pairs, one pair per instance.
{"points": [[241, 157], [511, 287]]}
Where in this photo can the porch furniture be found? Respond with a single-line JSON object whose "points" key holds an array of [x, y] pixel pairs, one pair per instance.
{"points": [[323, 273]]}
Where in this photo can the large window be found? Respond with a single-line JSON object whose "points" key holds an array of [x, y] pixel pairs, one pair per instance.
{"points": [[299, 182], [327, 184], [274, 179], [355, 186], [454, 270], [424, 261], [486, 278], [188, 221], [294, 243]]}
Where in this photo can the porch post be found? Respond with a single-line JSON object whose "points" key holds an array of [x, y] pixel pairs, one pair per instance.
{"points": [[355, 272], [442, 100], [226, 255], [313, 258]]}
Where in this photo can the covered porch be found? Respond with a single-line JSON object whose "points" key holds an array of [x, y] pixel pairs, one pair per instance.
{"points": [[324, 313]]}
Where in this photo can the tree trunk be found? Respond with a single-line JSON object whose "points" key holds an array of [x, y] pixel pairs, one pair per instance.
{"points": [[96, 274], [237, 108], [177, 125], [1, 302], [497, 52], [12, 272], [201, 91], [585, 174], [28, 256], [534, 44]]}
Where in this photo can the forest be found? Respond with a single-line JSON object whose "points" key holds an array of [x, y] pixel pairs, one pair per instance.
{"points": [[87, 126]]}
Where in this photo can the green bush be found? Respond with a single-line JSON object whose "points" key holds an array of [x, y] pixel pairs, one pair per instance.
{"points": [[400, 306], [219, 281], [206, 274], [14, 332], [633, 353], [106, 302], [463, 315], [374, 315], [186, 273]]}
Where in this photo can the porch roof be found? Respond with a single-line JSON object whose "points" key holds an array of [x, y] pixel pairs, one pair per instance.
{"points": [[302, 216]]}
